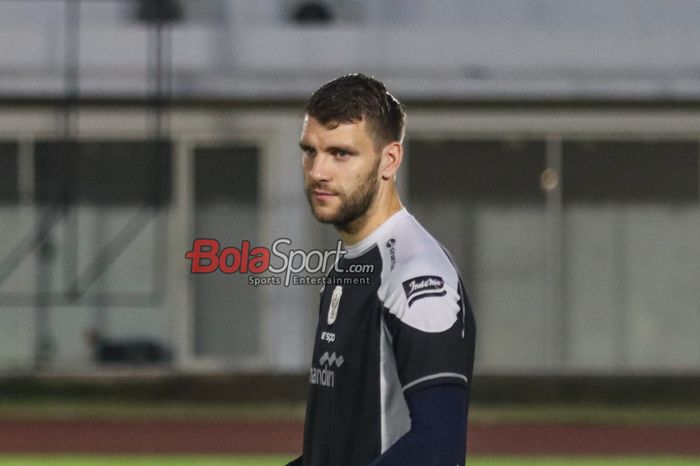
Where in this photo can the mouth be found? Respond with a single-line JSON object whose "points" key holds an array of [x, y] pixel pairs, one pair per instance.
{"points": [[321, 194]]}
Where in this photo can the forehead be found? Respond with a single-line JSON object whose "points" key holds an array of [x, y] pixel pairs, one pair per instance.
{"points": [[313, 131]]}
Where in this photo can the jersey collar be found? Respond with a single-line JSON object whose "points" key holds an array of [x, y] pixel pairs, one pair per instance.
{"points": [[361, 247]]}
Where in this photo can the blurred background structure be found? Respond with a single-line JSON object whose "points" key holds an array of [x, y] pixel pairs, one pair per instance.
{"points": [[553, 147]]}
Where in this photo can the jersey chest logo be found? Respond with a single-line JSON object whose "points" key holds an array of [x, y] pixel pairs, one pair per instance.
{"points": [[335, 303]]}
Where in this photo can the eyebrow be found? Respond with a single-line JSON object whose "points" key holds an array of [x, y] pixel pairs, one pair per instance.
{"points": [[350, 150]]}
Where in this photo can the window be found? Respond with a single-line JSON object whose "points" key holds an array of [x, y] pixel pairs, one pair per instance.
{"points": [[9, 191], [478, 171], [227, 318], [630, 253], [630, 171], [103, 172], [226, 173]]}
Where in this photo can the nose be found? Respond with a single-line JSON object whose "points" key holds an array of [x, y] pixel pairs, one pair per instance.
{"points": [[319, 168]]}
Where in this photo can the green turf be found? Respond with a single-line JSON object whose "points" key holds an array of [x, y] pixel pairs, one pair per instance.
{"points": [[573, 461], [595, 414], [587, 413], [53, 460], [39, 460], [167, 410]]}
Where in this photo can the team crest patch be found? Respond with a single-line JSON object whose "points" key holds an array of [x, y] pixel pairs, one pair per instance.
{"points": [[335, 302]]}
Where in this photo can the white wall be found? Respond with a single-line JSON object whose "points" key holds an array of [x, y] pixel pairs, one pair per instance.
{"points": [[624, 48]]}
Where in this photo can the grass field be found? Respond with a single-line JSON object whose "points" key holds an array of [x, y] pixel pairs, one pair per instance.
{"points": [[591, 413], [39, 460]]}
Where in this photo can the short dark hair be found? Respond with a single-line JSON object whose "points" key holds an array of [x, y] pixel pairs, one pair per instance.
{"points": [[357, 97]]}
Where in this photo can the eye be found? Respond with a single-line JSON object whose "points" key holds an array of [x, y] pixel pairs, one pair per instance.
{"points": [[340, 153], [309, 152]]}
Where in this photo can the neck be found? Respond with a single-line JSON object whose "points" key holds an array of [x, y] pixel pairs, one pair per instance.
{"points": [[377, 214]]}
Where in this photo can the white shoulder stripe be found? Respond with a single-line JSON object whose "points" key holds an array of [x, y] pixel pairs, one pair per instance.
{"points": [[435, 376]]}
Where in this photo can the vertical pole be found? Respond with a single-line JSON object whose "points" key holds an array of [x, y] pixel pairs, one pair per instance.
{"points": [[159, 72], [71, 81], [551, 183], [159, 67], [47, 250]]}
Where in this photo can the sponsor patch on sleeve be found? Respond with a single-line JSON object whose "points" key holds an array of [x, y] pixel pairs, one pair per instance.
{"points": [[424, 286]]}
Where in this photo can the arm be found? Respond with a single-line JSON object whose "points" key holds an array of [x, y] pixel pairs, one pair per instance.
{"points": [[438, 429], [297, 462]]}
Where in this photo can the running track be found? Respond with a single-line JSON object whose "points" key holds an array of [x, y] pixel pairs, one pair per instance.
{"points": [[211, 437]]}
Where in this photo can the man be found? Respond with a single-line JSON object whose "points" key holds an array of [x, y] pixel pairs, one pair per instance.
{"points": [[393, 358]]}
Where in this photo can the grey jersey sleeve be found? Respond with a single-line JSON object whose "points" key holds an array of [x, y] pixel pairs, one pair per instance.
{"points": [[423, 312]]}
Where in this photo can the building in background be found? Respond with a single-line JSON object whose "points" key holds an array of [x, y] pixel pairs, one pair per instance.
{"points": [[554, 147]]}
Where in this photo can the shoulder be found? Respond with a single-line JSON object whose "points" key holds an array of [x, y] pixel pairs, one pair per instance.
{"points": [[419, 283]]}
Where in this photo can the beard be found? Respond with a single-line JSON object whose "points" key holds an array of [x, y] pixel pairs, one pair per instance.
{"points": [[353, 206]]}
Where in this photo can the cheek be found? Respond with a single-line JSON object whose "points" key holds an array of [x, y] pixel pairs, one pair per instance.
{"points": [[368, 174], [305, 163], [306, 167]]}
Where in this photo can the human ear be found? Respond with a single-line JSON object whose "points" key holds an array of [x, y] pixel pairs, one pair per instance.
{"points": [[392, 154]]}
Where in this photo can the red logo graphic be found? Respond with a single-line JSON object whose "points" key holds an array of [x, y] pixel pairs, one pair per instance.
{"points": [[207, 257]]}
